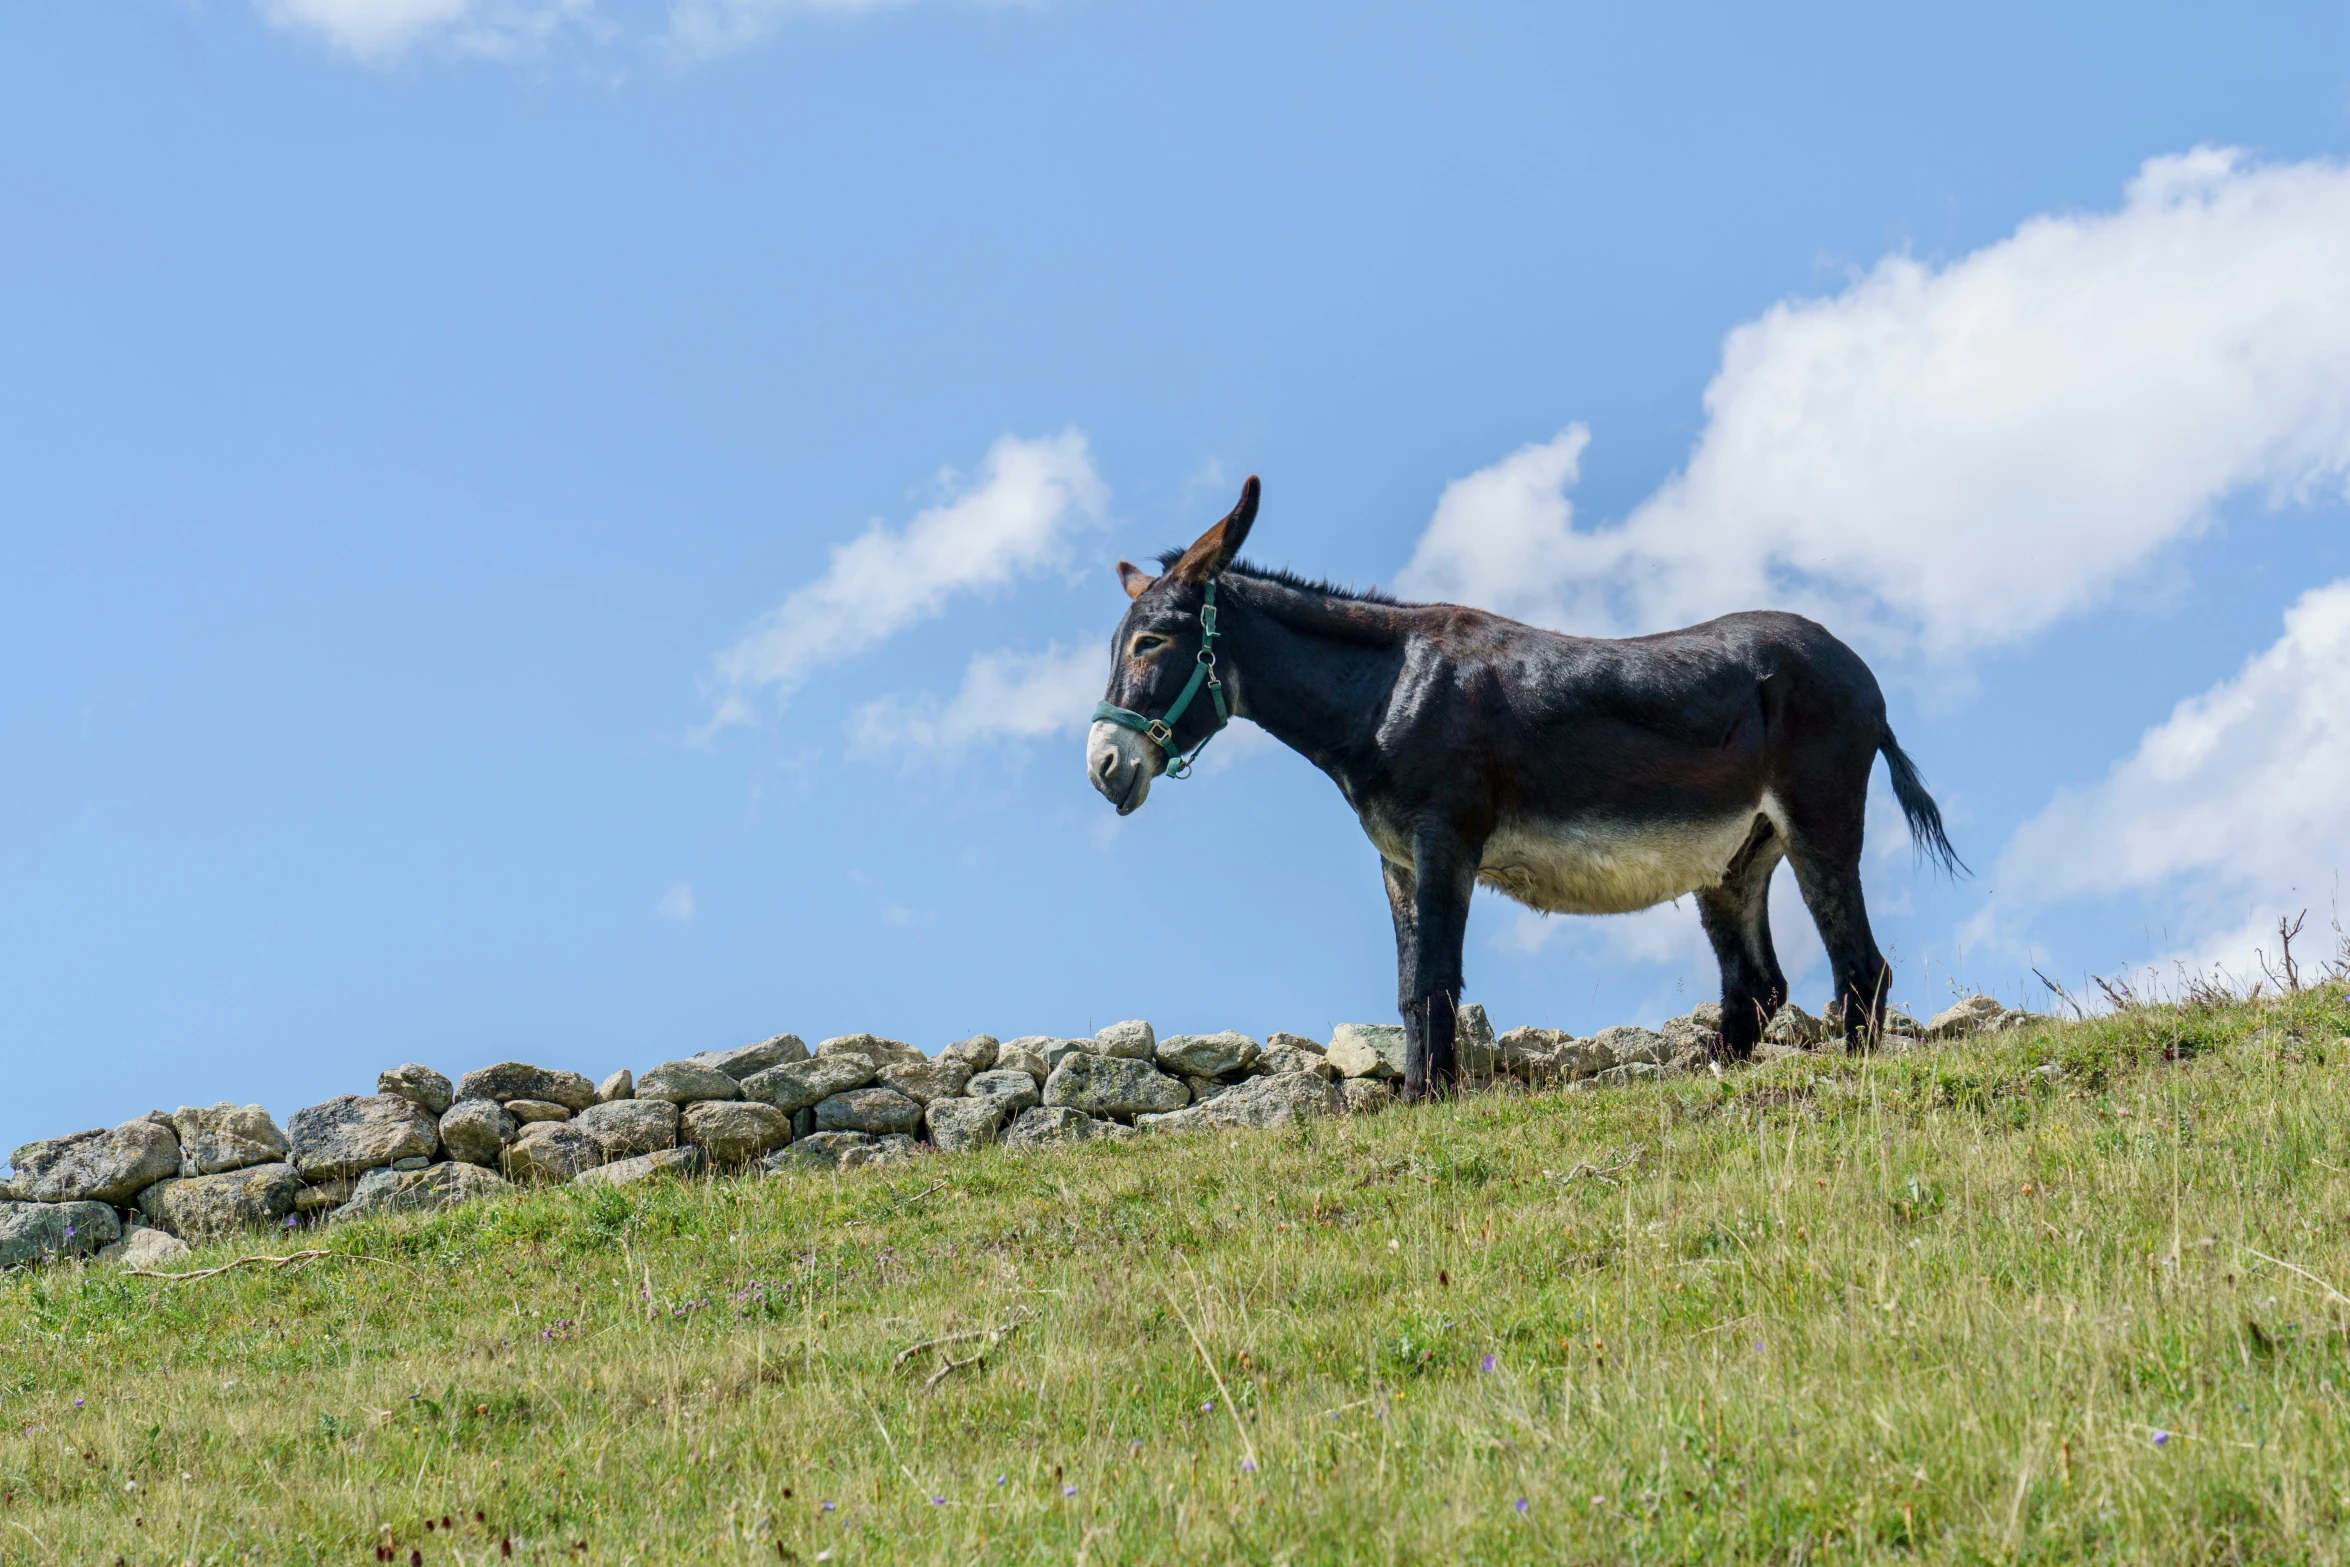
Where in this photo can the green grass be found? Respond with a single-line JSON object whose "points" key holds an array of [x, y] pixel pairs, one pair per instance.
{"points": [[1825, 1309]]}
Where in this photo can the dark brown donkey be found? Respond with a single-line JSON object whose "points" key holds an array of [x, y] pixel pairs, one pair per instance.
{"points": [[1579, 775]]}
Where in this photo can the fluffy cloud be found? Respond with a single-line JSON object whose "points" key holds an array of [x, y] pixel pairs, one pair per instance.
{"points": [[1004, 696], [2233, 806], [699, 28], [380, 31], [1952, 459], [1013, 521]]}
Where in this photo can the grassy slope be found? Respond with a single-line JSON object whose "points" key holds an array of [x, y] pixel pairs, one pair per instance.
{"points": [[1937, 1306]]}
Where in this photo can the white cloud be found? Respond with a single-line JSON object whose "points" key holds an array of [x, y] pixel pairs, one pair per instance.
{"points": [[677, 903], [1952, 459], [2233, 807], [380, 31], [1004, 696], [1013, 521]]}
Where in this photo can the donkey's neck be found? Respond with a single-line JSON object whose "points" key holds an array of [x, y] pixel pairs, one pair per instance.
{"points": [[1312, 669]]}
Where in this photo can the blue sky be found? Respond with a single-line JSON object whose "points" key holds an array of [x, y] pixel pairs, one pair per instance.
{"points": [[443, 442]]}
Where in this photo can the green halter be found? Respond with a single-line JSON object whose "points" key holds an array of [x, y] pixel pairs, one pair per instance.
{"points": [[1161, 731]]}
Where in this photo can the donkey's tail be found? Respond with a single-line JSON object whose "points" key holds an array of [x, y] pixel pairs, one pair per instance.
{"points": [[1924, 816]]}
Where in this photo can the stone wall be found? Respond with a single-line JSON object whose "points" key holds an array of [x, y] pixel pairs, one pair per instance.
{"points": [[141, 1191]]}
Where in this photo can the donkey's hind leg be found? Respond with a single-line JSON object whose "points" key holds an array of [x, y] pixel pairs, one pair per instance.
{"points": [[1737, 920], [1826, 855]]}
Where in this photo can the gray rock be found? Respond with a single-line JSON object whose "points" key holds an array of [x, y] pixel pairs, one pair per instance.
{"points": [[1707, 1014], [1024, 1055], [348, 1134], [520, 1080], [96, 1166], [1277, 1040], [1578, 1059], [628, 1172], [420, 1084], [958, 1125], [1628, 1044], [525, 1111], [1133, 1040], [221, 1137], [1898, 1021], [977, 1052], [1793, 1026], [1112, 1086], [1206, 1055], [412, 1162], [744, 1060], [144, 1247], [208, 1207], [869, 1110], [550, 1152], [475, 1129], [626, 1128], [1531, 1055], [1014, 1087], [1203, 1089], [892, 1148], [734, 1132], [803, 1122], [1259, 1101], [1473, 1044], [325, 1196], [1687, 1034], [427, 1190], [32, 1231], [796, 1085], [1056, 1051], [687, 1083], [620, 1085], [923, 1081], [1366, 1095], [1367, 1049], [1974, 1015], [1287, 1060], [1049, 1124], [815, 1151], [881, 1052]]}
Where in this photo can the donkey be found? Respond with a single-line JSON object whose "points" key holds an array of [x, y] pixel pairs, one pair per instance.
{"points": [[1579, 775]]}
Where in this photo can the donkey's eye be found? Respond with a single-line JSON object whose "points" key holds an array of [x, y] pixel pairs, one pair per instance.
{"points": [[1146, 644]]}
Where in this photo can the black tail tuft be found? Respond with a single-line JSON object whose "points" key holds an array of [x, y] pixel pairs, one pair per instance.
{"points": [[1925, 817]]}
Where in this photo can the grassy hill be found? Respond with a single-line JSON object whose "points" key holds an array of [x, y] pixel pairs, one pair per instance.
{"points": [[2052, 1295]]}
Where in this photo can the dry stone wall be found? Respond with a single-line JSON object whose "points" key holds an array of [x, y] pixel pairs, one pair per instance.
{"points": [[141, 1192]]}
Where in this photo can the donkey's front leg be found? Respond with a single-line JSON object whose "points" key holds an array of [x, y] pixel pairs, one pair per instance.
{"points": [[1442, 879]]}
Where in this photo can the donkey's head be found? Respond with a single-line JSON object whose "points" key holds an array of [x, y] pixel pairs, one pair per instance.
{"points": [[1161, 646]]}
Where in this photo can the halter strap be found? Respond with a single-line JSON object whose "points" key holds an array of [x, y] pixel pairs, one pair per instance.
{"points": [[1161, 731]]}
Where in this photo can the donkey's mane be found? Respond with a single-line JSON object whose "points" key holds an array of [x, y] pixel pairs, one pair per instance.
{"points": [[1283, 577]]}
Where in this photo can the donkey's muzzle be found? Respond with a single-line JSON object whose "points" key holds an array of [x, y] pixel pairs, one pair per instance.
{"points": [[1121, 764]]}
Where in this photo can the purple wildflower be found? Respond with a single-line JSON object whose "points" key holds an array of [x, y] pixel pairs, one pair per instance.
{"points": [[77, 1403], [1486, 1364], [999, 1479], [1758, 1346], [1521, 1504], [69, 1232], [1068, 1490], [829, 1507], [1248, 1466], [2161, 1437], [1208, 1407], [291, 1221], [938, 1501]]}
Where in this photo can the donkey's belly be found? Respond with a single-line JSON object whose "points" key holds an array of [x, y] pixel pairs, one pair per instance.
{"points": [[1610, 867]]}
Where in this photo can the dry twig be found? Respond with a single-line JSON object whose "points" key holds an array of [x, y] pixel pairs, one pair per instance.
{"points": [[2332, 1294], [265, 1259], [946, 1364]]}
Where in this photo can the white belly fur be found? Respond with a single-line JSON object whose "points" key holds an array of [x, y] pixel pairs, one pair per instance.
{"points": [[1607, 868], [1602, 867]]}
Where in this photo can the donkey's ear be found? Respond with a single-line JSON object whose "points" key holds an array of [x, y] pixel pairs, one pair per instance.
{"points": [[1220, 545], [1134, 579]]}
